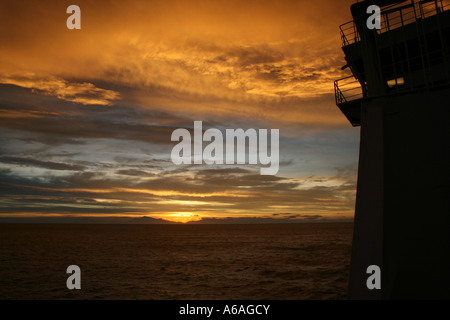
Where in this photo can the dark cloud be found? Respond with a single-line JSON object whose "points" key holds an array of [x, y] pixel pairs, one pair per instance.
{"points": [[311, 217], [134, 172], [41, 164], [220, 172], [81, 191], [50, 120], [254, 56]]}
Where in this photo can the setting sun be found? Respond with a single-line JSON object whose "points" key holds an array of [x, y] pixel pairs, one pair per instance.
{"points": [[182, 217]]}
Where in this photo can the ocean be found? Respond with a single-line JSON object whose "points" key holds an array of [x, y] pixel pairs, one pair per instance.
{"points": [[304, 261]]}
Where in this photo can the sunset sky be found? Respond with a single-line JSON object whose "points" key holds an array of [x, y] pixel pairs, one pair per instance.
{"points": [[86, 116]]}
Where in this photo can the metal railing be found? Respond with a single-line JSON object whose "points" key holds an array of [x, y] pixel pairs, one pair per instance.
{"points": [[396, 16], [347, 89], [349, 34]]}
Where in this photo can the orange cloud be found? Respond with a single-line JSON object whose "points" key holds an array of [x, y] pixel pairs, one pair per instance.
{"points": [[250, 56], [84, 93]]}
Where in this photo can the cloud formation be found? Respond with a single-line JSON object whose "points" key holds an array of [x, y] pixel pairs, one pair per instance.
{"points": [[84, 93], [86, 118], [263, 59]]}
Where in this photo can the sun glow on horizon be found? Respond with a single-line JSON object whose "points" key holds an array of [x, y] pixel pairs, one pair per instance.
{"points": [[182, 217]]}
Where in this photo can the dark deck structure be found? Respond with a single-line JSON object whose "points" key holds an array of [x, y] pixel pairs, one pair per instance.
{"points": [[399, 93]]}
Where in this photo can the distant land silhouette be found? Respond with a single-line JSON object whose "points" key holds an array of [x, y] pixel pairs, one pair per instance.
{"points": [[150, 220]]}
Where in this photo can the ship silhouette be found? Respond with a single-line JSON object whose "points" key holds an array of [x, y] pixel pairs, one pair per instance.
{"points": [[399, 95]]}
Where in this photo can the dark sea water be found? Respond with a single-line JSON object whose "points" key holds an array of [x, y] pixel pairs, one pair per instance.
{"points": [[279, 261]]}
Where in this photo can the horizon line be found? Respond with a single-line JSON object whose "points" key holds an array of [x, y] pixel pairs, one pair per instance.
{"points": [[160, 221]]}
